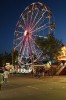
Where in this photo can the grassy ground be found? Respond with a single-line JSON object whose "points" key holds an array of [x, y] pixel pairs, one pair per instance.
{"points": [[27, 88]]}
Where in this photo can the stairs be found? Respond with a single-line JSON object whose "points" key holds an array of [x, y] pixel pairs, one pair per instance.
{"points": [[61, 71]]}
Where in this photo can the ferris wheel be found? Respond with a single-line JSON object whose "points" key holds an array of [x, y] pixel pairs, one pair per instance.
{"points": [[36, 20]]}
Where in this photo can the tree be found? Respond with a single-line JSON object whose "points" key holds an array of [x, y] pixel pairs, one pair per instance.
{"points": [[5, 58], [14, 57], [49, 46], [1, 60]]}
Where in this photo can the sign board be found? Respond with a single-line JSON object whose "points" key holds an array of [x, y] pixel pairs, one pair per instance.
{"points": [[61, 57]]}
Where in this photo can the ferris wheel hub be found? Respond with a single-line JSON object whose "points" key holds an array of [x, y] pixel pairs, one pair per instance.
{"points": [[26, 33]]}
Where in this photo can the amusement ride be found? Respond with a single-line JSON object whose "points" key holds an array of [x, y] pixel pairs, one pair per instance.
{"points": [[35, 21]]}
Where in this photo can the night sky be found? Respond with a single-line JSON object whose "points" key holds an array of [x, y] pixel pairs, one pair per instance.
{"points": [[10, 11]]}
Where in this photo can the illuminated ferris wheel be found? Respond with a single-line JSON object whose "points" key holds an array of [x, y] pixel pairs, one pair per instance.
{"points": [[36, 21]]}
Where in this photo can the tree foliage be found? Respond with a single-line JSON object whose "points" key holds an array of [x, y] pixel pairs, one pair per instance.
{"points": [[5, 58], [14, 57], [50, 46]]}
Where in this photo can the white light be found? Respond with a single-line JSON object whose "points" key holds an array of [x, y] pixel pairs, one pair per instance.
{"points": [[25, 33]]}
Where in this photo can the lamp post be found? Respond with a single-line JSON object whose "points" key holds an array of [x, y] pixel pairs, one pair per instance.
{"points": [[32, 59], [12, 56]]}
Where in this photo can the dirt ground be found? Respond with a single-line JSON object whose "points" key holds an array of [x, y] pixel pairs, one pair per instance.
{"points": [[27, 88]]}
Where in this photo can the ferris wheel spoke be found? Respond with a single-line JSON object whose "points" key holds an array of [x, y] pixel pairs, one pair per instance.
{"points": [[38, 21], [19, 38], [42, 21], [27, 21], [35, 46], [37, 30], [41, 28], [20, 25], [31, 15], [24, 20], [32, 38], [22, 48], [35, 18], [18, 45], [19, 32], [30, 46], [37, 52]]}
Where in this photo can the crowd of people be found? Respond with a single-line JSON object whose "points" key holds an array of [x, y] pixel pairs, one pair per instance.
{"points": [[41, 71]]}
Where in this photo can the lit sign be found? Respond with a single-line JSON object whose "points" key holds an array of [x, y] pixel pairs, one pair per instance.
{"points": [[61, 57]]}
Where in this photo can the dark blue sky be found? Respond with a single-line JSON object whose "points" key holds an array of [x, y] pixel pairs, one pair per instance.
{"points": [[10, 11]]}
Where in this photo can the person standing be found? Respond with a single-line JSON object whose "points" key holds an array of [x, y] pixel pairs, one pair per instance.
{"points": [[6, 74], [1, 78]]}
